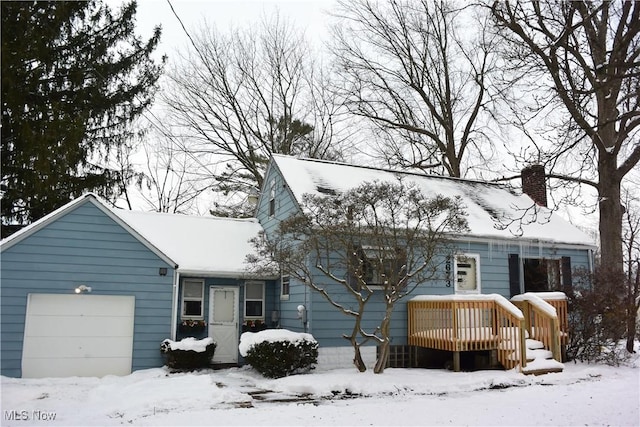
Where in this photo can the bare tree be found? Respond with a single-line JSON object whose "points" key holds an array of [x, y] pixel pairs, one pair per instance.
{"points": [[631, 239], [239, 97], [423, 81], [171, 179], [379, 237], [579, 64]]}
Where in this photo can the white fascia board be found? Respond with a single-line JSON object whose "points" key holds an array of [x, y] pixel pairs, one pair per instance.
{"points": [[30, 229]]}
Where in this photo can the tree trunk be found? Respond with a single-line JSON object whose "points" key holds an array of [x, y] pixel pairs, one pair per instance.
{"points": [[383, 356], [631, 330], [610, 210], [383, 349], [632, 307], [353, 339], [357, 357]]}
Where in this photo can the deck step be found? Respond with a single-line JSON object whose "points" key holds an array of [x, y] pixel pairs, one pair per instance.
{"points": [[539, 360], [537, 372]]}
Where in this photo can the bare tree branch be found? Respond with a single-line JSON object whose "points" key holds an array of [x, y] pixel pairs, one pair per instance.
{"points": [[581, 57], [241, 96], [410, 71]]}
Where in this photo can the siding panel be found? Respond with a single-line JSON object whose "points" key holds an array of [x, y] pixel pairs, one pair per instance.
{"points": [[85, 246]]}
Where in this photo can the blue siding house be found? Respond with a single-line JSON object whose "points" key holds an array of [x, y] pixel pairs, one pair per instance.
{"points": [[539, 253], [92, 290], [89, 290]]}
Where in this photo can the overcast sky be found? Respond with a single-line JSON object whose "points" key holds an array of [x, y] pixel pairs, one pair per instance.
{"points": [[307, 15]]}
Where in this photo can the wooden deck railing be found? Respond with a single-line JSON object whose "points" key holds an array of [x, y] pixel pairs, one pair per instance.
{"points": [[463, 323], [545, 318], [562, 310]]}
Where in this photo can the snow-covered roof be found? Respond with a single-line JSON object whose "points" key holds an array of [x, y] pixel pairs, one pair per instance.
{"points": [[198, 244], [489, 206]]}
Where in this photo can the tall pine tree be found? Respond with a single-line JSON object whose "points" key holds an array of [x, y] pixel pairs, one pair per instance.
{"points": [[74, 77]]}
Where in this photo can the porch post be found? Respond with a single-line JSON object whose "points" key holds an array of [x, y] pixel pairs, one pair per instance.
{"points": [[456, 361]]}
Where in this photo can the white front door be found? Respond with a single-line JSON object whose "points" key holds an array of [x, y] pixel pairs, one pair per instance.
{"points": [[223, 323]]}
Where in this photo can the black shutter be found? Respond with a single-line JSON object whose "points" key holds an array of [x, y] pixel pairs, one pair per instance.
{"points": [[567, 284], [514, 274]]}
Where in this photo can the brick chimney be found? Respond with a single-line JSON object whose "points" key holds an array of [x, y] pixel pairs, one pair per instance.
{"points": [[534, 184]]}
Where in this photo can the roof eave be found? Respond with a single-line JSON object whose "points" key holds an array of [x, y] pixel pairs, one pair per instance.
{"points": [[516, 239], [228, 274]]}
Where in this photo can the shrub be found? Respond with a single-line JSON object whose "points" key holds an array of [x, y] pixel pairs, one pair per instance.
{"points": [[277, 353], [597, 318], [188, 353]]}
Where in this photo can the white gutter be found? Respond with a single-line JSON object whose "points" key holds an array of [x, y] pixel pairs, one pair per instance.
{"points": [[518, 240], [174, 305]]}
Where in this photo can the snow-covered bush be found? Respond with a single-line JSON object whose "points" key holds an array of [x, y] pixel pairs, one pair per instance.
{"points": [[188, 353], [276, 353]]}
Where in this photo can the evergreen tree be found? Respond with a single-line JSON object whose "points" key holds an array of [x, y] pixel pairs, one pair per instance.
{"points": [[74, 77]]}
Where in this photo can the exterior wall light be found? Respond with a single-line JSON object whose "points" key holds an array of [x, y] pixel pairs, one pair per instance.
{"points": [[83, 288]]}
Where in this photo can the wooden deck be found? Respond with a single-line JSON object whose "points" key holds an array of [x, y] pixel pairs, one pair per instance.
{"points": [[488, 322]]}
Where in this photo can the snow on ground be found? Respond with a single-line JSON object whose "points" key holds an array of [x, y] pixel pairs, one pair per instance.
{"points": [[581, 395]]}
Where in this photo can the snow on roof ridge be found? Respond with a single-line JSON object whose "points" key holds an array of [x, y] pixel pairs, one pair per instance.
{"points": [[400, 171], [207, 217]]}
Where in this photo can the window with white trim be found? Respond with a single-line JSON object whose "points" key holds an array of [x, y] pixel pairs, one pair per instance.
{"points": [[285, 282], [466, 273], [272, 198], [254, 300], [192, 299], [376, 265]]}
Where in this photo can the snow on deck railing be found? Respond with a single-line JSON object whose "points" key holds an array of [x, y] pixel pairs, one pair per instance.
{"points": [[541, 318], [537, 299], [499, 299]]}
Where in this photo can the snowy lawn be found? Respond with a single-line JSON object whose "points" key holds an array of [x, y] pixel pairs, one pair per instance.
{"points": [[581, 395]]}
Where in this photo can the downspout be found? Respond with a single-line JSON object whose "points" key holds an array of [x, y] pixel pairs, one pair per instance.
{"points": [[174, 308], [521, 270], [307, 303]]}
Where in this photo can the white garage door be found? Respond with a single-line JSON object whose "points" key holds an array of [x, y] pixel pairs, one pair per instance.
{"points": [[78, 335]]}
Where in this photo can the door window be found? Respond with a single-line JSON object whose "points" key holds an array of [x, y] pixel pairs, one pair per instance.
{"points": [[223, 305]]}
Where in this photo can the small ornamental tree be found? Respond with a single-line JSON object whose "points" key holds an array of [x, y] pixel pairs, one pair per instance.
{"points": [[378, 237]]}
